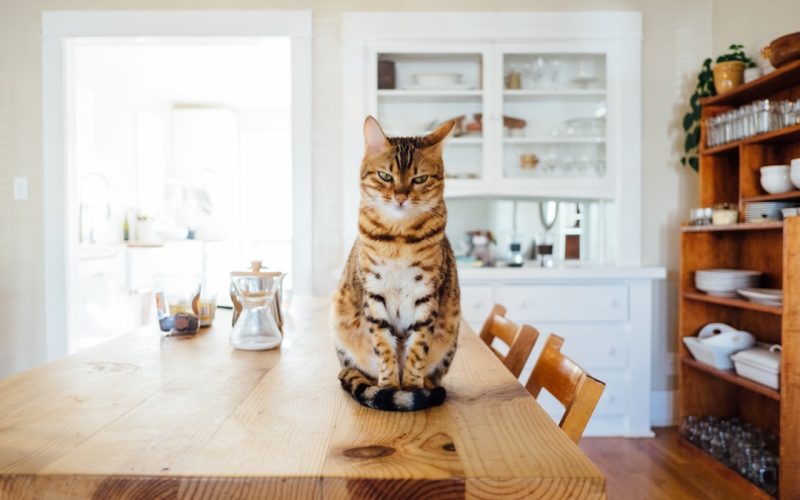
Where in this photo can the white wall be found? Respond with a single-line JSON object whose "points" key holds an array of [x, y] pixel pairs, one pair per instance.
{"points": [[677, 35]]}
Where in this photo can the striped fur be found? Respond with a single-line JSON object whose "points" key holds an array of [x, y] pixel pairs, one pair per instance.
{"points": [[366, 391], [397, 305]]}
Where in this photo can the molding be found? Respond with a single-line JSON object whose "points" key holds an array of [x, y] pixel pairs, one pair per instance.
{"points": [[114, 23], [61, 30], [442, 26], [663, 410]]}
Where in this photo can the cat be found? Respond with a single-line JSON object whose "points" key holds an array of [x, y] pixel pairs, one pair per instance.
{"points": [[397, 306]]}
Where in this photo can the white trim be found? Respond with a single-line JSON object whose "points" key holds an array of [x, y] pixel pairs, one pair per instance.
{"points": [[59, 27], [663, 411], [471, 26]]}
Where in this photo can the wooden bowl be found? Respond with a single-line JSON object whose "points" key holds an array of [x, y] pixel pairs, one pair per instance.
{"points": [[783, 50]]}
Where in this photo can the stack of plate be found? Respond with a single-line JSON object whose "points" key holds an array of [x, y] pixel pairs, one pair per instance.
{"points": [[765, 210], [766, 296], [725, 282]]}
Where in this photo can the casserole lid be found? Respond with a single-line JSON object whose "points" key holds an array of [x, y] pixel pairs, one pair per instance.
{"points": [[764, 357]]}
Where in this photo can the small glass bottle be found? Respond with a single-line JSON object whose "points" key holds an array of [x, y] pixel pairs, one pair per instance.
{"points": [[515, 255]]}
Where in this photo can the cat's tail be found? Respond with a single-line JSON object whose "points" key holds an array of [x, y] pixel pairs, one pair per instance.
{"points": [[364, 390]]}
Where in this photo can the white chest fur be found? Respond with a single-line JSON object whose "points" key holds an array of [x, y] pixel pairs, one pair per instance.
{"points": [[396, 281]]}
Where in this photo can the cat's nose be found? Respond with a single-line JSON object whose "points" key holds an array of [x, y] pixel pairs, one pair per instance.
{"points": [[401, 198]]}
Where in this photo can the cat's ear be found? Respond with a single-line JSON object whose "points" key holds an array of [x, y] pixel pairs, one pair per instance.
{"points": [[435, 139], [374, 138]]}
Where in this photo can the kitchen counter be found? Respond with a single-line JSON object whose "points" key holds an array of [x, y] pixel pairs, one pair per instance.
{"points": [[532, 271], [147, 416]]}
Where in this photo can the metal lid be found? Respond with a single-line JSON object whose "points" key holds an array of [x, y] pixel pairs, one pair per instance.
{"points": [[256, 271]]}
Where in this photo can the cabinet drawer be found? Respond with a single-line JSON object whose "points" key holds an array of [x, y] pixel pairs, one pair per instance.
{"points": [[591, 346], [476, 302], [566, 302]]}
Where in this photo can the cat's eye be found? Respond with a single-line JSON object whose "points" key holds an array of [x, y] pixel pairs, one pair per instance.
{"points": [[419, 180], [384, 176]]}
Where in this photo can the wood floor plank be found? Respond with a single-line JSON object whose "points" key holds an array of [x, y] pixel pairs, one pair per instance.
{"points": [[657, 468]]}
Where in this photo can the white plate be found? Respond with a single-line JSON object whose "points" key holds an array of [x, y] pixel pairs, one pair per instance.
{"points": [[768, 296]]}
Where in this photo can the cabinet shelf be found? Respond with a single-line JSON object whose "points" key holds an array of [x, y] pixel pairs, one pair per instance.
{"points": [[732, 302], [731, 377], [554, 140], [791, 195], [555, 94], [741, 226], [748, 489], [430, 95]]}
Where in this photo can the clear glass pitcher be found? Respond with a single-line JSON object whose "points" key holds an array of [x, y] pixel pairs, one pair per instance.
{"points": [[257, 319]]}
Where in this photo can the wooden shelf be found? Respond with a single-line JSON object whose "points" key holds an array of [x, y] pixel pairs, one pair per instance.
{"points": [[780, 136], [732, 302], [760, 88], [741, 226], [748, 489], [554, 140], [791, 195], [730, 376]]}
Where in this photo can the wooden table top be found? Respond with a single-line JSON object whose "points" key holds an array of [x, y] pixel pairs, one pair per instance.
{"points": [[146, 416]]}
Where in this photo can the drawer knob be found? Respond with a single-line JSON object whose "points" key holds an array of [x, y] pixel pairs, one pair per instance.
{"points": [[476, 305], [611, 351], [613, 303]]}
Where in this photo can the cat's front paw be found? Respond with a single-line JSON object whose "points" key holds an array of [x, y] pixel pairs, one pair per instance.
{"points": [[389, 382]]}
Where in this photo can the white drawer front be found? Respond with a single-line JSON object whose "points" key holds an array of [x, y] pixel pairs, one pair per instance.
{"points": [[476, 302], [591, 346], [566, 302]]}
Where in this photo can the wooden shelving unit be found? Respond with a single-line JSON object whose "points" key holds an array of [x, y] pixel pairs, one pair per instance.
{"points": [[729, 173]]}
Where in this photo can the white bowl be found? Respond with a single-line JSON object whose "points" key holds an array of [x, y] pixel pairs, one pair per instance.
{"points": [[437, 79], [775, 179], [794, 172]]}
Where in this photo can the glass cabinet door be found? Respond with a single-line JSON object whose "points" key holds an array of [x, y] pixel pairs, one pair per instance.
{"points": [[554, 115], [416, 91]]}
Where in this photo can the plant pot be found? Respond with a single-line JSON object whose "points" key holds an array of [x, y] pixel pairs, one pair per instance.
{"points": [[728, 75]]}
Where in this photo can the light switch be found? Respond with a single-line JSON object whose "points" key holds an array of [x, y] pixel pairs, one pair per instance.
{"points": [[20, 188]]}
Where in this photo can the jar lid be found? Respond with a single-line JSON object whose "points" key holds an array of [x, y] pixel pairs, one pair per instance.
{"points": [[256, 271]]}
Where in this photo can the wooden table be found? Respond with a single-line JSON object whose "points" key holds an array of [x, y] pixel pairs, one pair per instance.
{"points": [[143, 416]]}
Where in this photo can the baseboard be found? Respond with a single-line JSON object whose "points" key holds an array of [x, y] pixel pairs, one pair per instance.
{"points": [[663, 411]]}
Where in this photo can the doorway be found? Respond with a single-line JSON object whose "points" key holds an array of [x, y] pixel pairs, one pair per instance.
{"points": [[179, 155]]}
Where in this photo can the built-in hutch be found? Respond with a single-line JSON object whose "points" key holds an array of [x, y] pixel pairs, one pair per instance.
{"points": [[549, 110]]}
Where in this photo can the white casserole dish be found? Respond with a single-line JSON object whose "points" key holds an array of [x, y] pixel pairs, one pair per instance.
{"points": [[760, 364]]}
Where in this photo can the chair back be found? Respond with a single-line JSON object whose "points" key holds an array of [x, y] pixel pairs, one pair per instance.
{"points": [[519, 339], [575, 389]]}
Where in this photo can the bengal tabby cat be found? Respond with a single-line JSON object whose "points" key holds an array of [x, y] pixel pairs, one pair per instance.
{"points": [[397, 307]]}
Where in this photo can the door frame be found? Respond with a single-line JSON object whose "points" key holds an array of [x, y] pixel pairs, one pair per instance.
{"points": [[58, 28]]}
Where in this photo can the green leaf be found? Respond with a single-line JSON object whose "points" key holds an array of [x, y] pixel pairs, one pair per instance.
{"points": [[683, 161], [694, 163], [688, 121]]}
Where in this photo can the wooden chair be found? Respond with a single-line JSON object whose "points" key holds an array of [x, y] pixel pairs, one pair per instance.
{"points": [[578, 391], [519, 340]]}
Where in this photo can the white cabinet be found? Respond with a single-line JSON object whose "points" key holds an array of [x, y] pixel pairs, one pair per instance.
{"points": [[557, 97], [606, 321], [99, 305]]}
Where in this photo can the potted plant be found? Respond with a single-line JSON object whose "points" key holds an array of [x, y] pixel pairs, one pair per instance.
{"points": [[708, 84], [729, 70]]}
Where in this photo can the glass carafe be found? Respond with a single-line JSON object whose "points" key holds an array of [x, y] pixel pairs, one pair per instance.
{"points": [[256, 294]]}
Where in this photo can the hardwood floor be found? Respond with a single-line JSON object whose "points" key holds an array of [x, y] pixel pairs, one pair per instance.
{"points": [[655, 468]]}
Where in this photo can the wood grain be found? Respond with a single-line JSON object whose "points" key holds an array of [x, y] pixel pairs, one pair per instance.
{"points": [[568, 383], [663, 468], [143, 416]]}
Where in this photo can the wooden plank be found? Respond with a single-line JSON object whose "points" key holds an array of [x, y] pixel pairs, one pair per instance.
{"points": [[193, 417], [731, 377], [742, 226], [790, 364], [732, 302], [786, 76]]}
